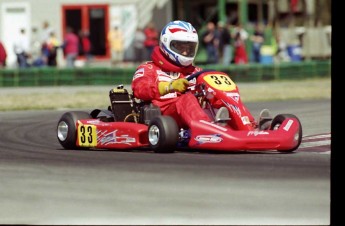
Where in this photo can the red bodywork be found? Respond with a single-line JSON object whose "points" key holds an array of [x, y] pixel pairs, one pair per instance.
{"points": [[93, 133], [240, 133]]}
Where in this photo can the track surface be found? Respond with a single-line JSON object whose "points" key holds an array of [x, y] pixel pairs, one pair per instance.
{"points": [[40, 183]]}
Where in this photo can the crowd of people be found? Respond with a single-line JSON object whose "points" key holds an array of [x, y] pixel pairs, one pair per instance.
{"points": [[224, 44], [43, 47]]}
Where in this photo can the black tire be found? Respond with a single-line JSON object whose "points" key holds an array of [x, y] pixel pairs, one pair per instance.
{"points": [[66, 128], [163, 134], [278, 120]]}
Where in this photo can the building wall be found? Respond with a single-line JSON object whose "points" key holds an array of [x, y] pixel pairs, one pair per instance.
{"points": [[51, 11]]}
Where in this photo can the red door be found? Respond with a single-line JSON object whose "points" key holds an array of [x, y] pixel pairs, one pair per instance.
{"points": [[91, 18]]}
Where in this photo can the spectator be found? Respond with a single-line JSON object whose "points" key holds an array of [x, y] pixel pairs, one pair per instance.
{"points": [[116, 43], [225, 48], [46, 30], [70, 47], [36, 57], [86, 46], [139, 50], [21, 49], [243, 33], [281, 54], [210, 39], [51, 47], [257, 39], [151, 40], [3, 55], [240, 50]]}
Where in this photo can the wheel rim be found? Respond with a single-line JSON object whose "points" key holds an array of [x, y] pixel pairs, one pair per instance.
{"points": [[153, 135], [62, 130]]}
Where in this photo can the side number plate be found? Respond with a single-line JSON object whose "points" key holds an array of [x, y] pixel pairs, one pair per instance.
{"points": [[87, 135]]}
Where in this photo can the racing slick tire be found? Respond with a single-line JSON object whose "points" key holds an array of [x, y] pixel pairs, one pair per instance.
{"points": [[66, 128], [278, 120], [163, 134]]}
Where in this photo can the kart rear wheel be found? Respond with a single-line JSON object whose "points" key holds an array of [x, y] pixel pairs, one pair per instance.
{"points": [[163, 134], [66, 128], [276, 123]]}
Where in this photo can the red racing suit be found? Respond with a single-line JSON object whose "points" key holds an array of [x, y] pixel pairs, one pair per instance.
{"points": [[182, 107]]}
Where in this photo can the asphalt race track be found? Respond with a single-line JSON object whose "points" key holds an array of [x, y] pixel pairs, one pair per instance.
{"points": [[40, 183]]}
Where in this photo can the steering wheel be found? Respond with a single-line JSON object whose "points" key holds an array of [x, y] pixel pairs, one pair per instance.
{"points": [[196, 74]]}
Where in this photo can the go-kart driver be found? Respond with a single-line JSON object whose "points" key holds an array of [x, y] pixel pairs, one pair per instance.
{"points": [[163, 80]]}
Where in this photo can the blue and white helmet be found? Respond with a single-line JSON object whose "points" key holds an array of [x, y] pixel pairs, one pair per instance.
{"points": [[179, 42]]}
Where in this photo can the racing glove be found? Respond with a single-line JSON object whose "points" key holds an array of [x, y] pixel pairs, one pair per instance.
{"points": [[178, 85]]}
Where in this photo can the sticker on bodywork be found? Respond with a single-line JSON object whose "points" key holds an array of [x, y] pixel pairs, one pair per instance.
{"points": [[215, 138], [87, 135]]}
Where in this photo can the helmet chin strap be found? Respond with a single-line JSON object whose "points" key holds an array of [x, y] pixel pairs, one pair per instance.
{"points": [[161, 61]]}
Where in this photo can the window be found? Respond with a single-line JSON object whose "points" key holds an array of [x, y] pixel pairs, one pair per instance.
{"points": [[92, 18]]}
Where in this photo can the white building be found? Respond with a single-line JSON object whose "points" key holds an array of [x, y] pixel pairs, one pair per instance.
{"points": [[95, 16]]}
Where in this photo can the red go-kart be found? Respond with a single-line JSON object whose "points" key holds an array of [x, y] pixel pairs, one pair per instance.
{"points": [[130, 123]]}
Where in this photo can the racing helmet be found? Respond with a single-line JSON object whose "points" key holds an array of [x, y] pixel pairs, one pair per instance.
{"points": [[179, 42]]}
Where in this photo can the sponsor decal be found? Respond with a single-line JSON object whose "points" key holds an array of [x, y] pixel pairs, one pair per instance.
{"points": [[169, 95], [94, 122], [234, 96], [245, 120], [288, 125], [171, 75], [233, 108], [139, 73], [256, 133], [214, 138], [106, 138]]}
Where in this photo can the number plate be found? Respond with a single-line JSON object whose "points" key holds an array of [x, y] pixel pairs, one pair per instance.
{"points": [[220, 82], [87, 135]]}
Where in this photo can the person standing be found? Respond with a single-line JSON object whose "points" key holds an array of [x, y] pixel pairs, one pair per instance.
{"points": [[86, 46], [225, 47], [116, 43], [240, 50], [70, 47], [37, 58], [139, 50], [52, 46], [210, 39], [45, 33], [151, 40], [257, 39], [21, 49], [3, 55]]}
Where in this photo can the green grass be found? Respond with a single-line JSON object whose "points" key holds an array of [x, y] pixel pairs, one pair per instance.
{"points": [[319, 88]]}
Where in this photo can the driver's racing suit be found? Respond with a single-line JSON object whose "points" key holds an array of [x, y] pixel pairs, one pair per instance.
{"points": [[182, 107]]}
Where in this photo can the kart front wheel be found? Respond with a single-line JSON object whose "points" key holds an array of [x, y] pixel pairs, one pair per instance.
{"points": [[276, 123], [66, 128], [163, 134]]}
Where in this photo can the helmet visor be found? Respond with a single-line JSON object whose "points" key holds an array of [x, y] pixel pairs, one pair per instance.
{"points": [[184, 48]]}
